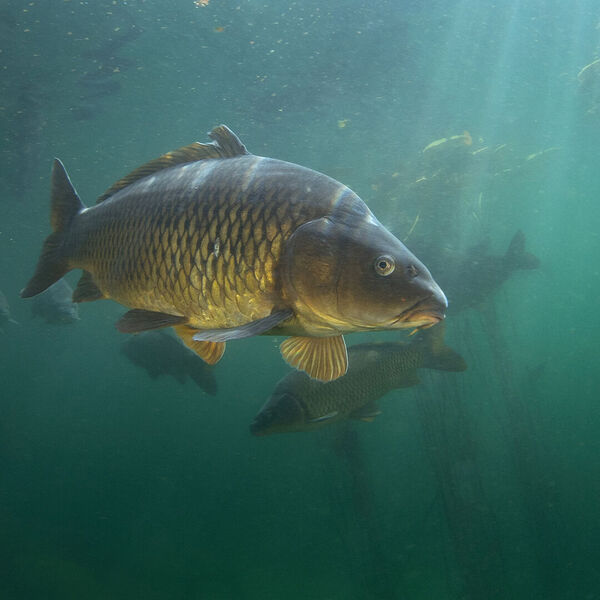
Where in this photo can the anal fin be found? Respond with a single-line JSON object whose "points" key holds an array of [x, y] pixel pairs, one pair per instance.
{"points": [[138, 319], [366, 413], [86, 290], [323, 358], [324, 418], [209, 352]]}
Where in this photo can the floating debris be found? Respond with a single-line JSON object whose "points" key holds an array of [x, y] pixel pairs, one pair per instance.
{"points": [[590, 70], [464, 139]]}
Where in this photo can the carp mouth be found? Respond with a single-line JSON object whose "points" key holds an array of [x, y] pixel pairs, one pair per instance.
{"points": [[282, 413], [256, 428], [424, 313]]}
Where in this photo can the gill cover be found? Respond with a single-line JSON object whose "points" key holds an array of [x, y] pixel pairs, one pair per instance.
{"points": [[311, 270]]}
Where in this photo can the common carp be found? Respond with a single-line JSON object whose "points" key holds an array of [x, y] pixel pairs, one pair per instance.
{"points": [[300, 403], [159, 353], [221, 244], [472, 279]]}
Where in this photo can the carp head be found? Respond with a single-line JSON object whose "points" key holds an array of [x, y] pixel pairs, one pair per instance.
{"points": [[352, 274], [280, 414]]}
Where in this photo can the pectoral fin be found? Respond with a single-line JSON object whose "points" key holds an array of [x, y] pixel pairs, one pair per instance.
{"points": [[326, 417], [137, 320], [243, 331], [87, 290], [209, 352], [324, 359], [367, 413]]}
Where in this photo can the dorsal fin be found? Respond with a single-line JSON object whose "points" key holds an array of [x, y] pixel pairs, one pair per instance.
{"points": [[225, 145], [228, 144]]}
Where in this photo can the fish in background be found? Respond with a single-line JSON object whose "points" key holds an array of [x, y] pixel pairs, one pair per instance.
{"points": [[95, 88], [5, 312], [159, 353], [102, 80], [55, 305], [106, 54], [300, 403], [221, 244], [476, 276]]}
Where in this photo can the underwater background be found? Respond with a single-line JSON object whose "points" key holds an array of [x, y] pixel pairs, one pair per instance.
{"points": [[460, 124]]}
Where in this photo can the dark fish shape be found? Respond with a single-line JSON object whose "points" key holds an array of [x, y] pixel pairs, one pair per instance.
{"points": [[55, 305], [5, 312], [159, 353], [101, 89], [101, 81], [96, 79], [86, 111], [479, 275], [300, 403], [95, 87], [221, 244], [106, 52]]}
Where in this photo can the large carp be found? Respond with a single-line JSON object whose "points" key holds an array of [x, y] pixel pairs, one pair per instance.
{"points": [[221, 244], [299, 403]]}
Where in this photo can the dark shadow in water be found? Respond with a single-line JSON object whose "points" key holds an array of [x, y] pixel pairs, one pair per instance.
{"points": [[538, 495], [381, 578], [471, 521]]}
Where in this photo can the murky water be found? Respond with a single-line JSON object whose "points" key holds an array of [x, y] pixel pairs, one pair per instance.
{"points": [[460, 124]]}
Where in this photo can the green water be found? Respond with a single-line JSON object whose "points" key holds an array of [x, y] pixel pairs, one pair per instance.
{"points": [[482, 484]]}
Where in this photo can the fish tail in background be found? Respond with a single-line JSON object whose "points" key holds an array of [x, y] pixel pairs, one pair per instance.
{"points": [[53, 262], [202, 375], [437, 354], [517, 257]]}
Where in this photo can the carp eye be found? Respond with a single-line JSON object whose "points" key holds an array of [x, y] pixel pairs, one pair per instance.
{"points": [[385, 265]]}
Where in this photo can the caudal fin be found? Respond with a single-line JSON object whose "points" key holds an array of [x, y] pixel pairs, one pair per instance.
{"points": [[437, 354], [517, 257], [204, 377], [53, 261]]}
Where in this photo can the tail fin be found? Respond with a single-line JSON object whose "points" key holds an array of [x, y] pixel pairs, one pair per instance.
{"points": [[53, 263], [516, 257], [202, 374], [437, 354]]}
